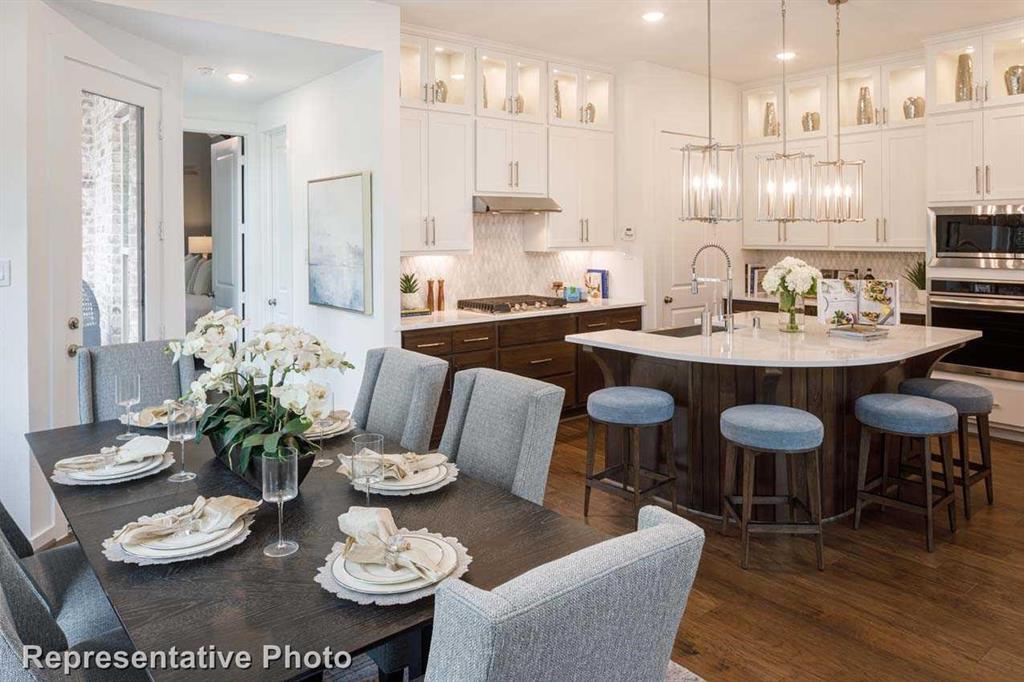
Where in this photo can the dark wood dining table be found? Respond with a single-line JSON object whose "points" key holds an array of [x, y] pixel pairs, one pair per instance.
{"points": [[241, 600]]}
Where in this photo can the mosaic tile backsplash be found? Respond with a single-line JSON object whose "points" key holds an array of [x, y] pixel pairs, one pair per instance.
{"points": [[884, 265]]}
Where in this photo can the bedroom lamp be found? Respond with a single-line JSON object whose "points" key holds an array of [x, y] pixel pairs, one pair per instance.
{"points": [[200, 245]]}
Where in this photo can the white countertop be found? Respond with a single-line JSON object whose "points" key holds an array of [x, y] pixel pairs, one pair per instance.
{"points": [[769, 347], [911, 307], [450, 318]]}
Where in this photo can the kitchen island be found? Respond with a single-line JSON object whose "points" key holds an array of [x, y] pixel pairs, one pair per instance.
{"points": [[809, 370]]}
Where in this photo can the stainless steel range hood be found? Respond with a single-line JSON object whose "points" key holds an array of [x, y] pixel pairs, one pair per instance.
{"points": [[500, 204]]}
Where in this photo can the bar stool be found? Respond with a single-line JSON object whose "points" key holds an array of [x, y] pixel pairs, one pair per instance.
{"points": [[633, 408], [907, 417], [970, 400], [774, 430]]}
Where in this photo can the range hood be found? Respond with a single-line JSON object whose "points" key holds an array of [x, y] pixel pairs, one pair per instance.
{"points": [[502, 204]]}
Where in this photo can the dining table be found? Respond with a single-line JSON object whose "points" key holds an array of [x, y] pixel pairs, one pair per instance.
{"points": [[240, 600]]}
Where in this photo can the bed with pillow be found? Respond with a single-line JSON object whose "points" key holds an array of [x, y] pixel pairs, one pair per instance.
{"points": [[198, 288]]}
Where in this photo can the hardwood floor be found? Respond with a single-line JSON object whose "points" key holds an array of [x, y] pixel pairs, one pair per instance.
{"points": [[884, 608]]}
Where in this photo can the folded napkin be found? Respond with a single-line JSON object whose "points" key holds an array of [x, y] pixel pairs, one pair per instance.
{"points": [[135, 450], [203, 515], [373, 538], [398, 466], [149, 416]]}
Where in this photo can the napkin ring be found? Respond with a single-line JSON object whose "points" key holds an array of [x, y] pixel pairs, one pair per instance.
{"points": [[396, 544]]}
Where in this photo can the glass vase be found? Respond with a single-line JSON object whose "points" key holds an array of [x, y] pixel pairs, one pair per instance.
{"points": [[791, 312]]}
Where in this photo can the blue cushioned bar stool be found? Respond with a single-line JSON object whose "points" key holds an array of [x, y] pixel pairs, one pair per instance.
{"points": [[633, 408], [970, 400], [908, 418], [778, 430]]}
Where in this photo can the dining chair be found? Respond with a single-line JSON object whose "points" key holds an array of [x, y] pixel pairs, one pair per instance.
{"points": [[399, 395], [15, 538], [98, 367], [501, 429], [607, 612]]}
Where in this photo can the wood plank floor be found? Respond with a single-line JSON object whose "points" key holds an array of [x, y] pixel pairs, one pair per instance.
{"points": [[884, 608]]}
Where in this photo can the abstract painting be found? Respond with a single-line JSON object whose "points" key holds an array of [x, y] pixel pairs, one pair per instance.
{"points": [[341, 243]]}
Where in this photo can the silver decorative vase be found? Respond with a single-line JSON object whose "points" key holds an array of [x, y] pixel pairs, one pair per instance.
{"points": [[1014, 78], [771, 121], [810, 121], [964, 78], [558, 100], [865, 107], [913, 107]]}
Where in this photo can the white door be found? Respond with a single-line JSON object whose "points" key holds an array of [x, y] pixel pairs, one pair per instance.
{"points": [[565, 229], [903, 193], [866, 147], [955, 157], [106, 240], [680, 241], [415, 225], [226, 223], [280, 301], [450, 154], [597, 166], [1004, 154], [528, 90], [493, 83], [807, 233], [493, 156], [450, 76], [412, 80], [530, 158]]}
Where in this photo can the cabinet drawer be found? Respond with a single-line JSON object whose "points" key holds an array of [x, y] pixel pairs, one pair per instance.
{"points": [[473, 338], [478, 358], [534, 330], [568, 382], [429, 341], [540, 360], [629, 318]]}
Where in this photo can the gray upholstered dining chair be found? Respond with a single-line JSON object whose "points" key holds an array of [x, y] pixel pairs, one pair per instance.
{"points": [[97, 367], [607, 612], [399, 395], [501, 428]]}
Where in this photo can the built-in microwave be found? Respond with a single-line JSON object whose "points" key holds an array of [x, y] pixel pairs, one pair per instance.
{"points": [[978, 237]]}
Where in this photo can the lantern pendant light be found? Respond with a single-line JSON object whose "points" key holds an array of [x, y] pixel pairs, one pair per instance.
{"points": [[839, 184], [711, 173], [785, 188]]}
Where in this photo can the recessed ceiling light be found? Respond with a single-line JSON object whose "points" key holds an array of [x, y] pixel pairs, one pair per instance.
{"points": [[238, 77], [438, 49], [785, 56], [653, 16], [969, 49], [458, 76]]}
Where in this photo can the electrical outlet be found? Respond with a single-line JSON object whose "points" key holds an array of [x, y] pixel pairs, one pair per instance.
{"points": [[5, 272], [628, 234]]}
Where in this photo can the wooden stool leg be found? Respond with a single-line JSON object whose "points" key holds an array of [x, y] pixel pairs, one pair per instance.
{"points": [[814, 497], [885, 467], [670, 460], [729, 484], [591, 448], [986, 453], [905, 453], [862, 472], [926, 475], [946, 448], [965, 463], [791, 483], [635, 458], [748, 500]]}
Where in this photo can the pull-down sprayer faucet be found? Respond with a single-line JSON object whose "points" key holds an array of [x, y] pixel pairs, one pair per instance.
{"points": [[696, 281]]}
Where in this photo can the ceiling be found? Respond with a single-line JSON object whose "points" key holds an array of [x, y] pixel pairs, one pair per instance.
{"points": [[276, 63], [746, 34]]}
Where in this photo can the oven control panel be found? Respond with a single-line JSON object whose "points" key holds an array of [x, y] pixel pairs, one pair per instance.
{"points": [[975, 288]]}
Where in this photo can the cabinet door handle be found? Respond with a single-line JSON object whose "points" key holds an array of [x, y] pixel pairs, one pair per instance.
{"points": [[977, 179], [877, 238], [510, 174], [517, 173], [977, 93], [476, 339], [426, 96], [581, 230], [986, 90], [885, 229], [588, 230], [426, 232], [581, 115], [433, 93], [878, 116], [591, 325], [540, 362], [430, 345], [988, 177], [885, 115], [631, 320], [433, 231]]}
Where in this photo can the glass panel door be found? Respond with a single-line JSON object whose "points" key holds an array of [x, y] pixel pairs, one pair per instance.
{"points": [[529, 90], [597, 107], [112, 220], [412, 71], [565, 106], [1004, 66], [493, 91], [450, 74]]}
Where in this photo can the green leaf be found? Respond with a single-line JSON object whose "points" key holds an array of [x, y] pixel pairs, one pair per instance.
{"points": [[236, 429], [254, 439], [297, 425], [271, 443]]}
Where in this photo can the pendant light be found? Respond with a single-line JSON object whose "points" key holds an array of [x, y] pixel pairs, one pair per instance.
{"points": [[785, 188], [839, 184], [711, 173]]}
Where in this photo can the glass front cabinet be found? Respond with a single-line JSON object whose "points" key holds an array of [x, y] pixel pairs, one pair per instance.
{"points": [[509, 86], [977, 70], [580, 98], [435, 74]]}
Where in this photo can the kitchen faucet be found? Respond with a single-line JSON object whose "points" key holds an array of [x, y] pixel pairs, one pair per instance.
{"points": [[696, 281]]}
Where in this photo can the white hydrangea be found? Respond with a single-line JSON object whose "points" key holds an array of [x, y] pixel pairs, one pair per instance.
{"points": [[791, 275]]}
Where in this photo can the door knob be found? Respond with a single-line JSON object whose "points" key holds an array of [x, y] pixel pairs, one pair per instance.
{"points": [[72, 349], [271, 301], [668, 299], [72, 323]]}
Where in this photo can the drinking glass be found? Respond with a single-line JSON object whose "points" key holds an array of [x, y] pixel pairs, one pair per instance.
{"points": [[323, 421], [280, 484], [127, 392], [367, 464], [181, 426]]}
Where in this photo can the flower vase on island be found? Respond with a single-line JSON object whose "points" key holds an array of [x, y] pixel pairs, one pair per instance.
{"points": [[791, 279]]}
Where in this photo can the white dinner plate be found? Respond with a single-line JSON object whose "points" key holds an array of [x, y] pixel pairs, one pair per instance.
{"points": [[160, 423], [420, 479], [118, 471], [165, 548], [335, 429], [443, 554]]}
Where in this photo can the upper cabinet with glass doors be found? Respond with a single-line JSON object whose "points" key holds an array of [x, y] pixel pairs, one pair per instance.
{"points": [[872, 97], [436, 74], [977, 70], [580, 98], [509, 86], [805, 111]]}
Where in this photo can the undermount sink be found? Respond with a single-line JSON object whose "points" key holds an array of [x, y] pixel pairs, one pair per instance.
{"points": [[691, 330]]}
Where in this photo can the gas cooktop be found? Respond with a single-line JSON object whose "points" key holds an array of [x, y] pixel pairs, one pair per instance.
{"points": [[510, 304]]}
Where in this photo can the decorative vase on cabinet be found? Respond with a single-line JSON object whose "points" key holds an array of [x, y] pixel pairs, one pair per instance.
{"points": [[771, 121], [964, 78], [1014, 78], [865, 108]]}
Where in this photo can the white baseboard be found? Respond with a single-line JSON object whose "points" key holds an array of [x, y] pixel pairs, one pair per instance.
{"points": [[54, 532]]}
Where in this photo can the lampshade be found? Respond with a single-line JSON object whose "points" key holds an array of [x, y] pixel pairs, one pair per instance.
{"points": [[839, 191], [203, 245], [711, 183]]}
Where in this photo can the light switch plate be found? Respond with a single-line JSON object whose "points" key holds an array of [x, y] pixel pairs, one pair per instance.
{"points": [[5, 272], [628, 234]]}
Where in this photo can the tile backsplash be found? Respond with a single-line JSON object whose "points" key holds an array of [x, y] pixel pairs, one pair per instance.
{"points": [[884, 265]]}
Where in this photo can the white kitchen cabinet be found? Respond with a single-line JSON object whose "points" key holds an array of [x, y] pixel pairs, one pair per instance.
{"points": [[902, 81], [597, 188], [806, 104], [806, 233], [580, 98], [1003, 174], [435, 74], [866, 147], [955, 157], [511, 157], [990, 54], [904, 165], [437, 181], [509, 86], [564, 229], [761, 234], [851, 84]]}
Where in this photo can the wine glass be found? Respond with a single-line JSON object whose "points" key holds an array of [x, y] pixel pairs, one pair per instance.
{"points": [[323, 421], [280, 484], [127, 392], [181, 426], [367, 463]]}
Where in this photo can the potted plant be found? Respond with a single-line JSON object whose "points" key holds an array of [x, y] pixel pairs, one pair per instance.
{"points": [[262, 400], [917, 275], [410, 287], [791, 279]]}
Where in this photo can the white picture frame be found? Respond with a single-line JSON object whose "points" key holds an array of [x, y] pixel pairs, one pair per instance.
{"points": [[340, 240]]}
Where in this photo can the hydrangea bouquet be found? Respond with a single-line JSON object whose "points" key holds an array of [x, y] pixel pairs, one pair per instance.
{"points": [[791, 279], [263, 399]]}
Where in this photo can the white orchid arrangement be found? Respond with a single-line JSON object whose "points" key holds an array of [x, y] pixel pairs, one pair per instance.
{"points": [[791, 276], [265, 400]]}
